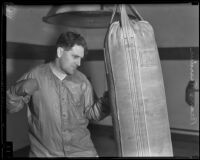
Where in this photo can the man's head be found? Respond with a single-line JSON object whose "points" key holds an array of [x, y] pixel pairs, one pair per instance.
{"points": [[70, 50]]}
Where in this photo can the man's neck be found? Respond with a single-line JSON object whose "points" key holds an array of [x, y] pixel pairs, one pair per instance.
{"points": [[57, 71]]}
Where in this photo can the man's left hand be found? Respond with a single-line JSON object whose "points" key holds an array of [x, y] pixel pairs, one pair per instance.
{"points": [[105, 102]]}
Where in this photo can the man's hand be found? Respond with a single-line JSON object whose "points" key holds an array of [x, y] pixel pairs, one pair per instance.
{"points": [[105, 102], [27, 86]]}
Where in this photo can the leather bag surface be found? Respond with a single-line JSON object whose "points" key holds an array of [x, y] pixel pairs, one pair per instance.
{"points": [[136, 88]]}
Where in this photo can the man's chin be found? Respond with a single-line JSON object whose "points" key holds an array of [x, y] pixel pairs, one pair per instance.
{"points": [[71, 72]]}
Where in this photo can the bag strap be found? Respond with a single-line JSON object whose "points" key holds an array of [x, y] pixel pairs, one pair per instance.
{"points": [[132, 9], [125, 23], [135, 12], [113, 14], [111, 21]]}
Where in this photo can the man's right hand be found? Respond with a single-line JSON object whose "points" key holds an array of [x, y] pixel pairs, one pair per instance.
{"points": [[27, 86]]}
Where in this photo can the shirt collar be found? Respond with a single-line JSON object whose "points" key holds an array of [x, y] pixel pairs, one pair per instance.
{"points": [[57, 73]]}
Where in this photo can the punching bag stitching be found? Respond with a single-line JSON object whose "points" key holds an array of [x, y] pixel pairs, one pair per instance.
{"points": [[134, 98], [141, 88], [127, 38], [139, 66], [140, 83], [132, 82], [130, 86]]}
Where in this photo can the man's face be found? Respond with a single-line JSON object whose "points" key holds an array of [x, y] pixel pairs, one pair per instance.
{"points": [[71, 59]]}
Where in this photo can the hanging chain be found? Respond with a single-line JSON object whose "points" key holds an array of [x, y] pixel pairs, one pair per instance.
{"points": [[193, 118], [192, 61]]}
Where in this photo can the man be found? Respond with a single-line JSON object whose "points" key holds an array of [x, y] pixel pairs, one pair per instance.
{"points": [[61, 103]]}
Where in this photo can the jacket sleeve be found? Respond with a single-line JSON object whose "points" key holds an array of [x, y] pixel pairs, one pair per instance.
{"points": [[94, 108], [14, 102]]}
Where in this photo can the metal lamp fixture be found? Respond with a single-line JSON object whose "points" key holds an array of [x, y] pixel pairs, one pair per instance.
{"points": [[81, 16]]}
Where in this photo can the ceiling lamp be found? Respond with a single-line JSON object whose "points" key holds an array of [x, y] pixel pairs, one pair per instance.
{"points": [[81, 16]]}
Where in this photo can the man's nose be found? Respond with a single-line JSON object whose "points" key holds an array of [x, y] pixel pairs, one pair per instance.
{"points": [[78, 62]]}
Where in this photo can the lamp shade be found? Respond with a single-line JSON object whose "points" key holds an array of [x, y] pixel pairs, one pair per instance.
{"points": [[81, 16]]}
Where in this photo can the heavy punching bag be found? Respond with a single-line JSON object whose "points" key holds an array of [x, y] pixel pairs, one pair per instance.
{"points": [[136, 88]]}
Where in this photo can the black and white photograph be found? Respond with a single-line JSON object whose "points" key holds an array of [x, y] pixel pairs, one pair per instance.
{"points": [[100, 80]]}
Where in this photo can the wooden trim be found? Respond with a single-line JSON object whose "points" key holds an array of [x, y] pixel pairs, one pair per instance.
{"points": [[186, 130], [28, 51], [108, 130], [178, 53], [32, 51]]}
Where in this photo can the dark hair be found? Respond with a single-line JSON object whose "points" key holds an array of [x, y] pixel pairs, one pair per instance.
{"points": [[69, 39]]}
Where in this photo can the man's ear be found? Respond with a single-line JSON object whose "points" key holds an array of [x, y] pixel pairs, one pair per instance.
{"points": [[59, 52]]}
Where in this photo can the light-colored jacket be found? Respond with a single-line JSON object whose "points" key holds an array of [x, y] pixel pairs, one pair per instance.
{"points": [[58, 114]]}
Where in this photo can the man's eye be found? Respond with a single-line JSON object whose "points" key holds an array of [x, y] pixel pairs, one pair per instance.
{"points": [[76, 57]]}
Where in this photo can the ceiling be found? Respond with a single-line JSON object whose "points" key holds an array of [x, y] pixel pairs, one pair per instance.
{"points": [[174, 25]]}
